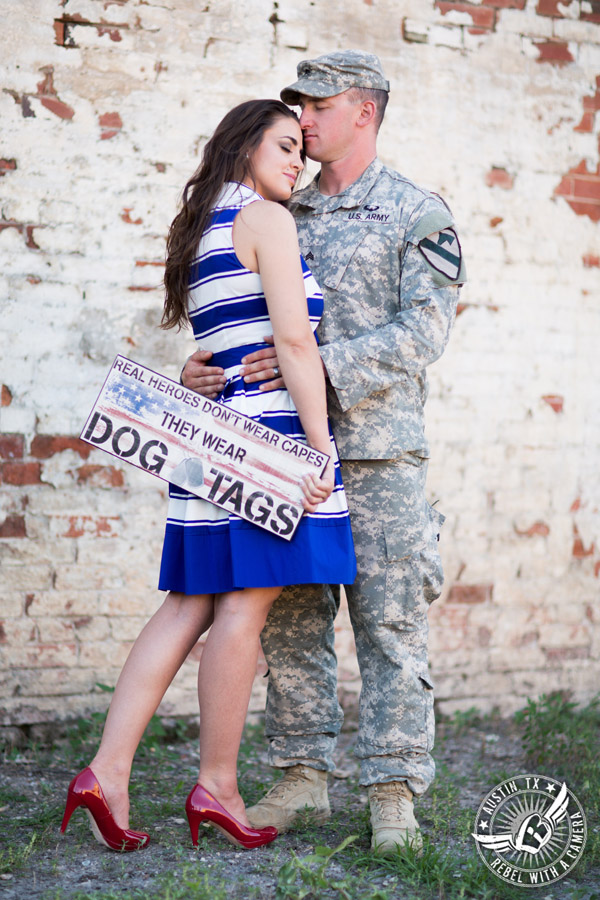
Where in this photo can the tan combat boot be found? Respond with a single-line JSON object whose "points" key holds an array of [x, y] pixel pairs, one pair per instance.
{"points": [[301, 789], [393, 819]]}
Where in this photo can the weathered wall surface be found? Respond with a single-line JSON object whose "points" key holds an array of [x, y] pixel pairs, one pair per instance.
{"points": [[105, 105]]}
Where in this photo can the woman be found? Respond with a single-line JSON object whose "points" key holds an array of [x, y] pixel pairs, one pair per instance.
{"points": [[235, 272]]}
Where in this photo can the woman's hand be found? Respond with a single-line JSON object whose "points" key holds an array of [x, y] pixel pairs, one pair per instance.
{"points": [[316, 489]]}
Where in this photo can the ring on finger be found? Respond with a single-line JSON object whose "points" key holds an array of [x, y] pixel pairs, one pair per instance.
{"points": [[275, 371]]}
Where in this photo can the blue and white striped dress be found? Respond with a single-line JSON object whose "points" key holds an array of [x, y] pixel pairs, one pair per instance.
{"points": [[207, 549]]}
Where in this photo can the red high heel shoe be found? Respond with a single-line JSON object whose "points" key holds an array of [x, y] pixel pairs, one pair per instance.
{"points": [[85, 791], [203, 807]]}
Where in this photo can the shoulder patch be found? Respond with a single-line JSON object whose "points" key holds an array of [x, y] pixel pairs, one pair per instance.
{"points": [[442, 253]]}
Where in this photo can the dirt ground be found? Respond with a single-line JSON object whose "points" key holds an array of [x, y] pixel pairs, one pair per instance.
{"points": [[74, 866]]}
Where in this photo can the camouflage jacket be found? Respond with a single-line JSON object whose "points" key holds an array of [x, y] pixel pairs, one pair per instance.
{"points": [[389, 264]]}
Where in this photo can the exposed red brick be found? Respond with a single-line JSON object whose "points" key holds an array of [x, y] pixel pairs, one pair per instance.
{"points": [[56, 106], [59, 32], [587, 122], [13, 527], [64, 27], [82, 622], [483, 18], [499, 177], [29, 598], [48, 96], [21, 473], [591, 261], [12, 446], [597, 569], [470, 593], [562, 654], [24, 228], [96, 526], [7, 165], [550, 8], [110, 124], [460, 308], [113, 33], [134, 287], [538, 528], [160, 167], [585, 208], [581, 190], [593, 16], [556, 53], [591, 105], [34, 279], [100, 476], [5, 396], [555, 401], [497, 220], [579, 551], [505, 4], [149, 262], [2, 633], [575, 505], [127, 218], [44, 446], [587, 186]]}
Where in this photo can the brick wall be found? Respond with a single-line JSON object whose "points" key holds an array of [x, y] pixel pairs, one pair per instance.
{"points": [[104, 106]]}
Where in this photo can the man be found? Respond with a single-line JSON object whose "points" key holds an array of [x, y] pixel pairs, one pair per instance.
{"points": [[388, 260]]}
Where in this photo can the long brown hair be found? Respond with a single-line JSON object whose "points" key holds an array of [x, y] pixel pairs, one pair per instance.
{"points": [[226, 157]]}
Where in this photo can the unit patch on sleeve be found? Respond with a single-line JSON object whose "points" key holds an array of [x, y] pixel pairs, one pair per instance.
{"points": [[442, 253]]}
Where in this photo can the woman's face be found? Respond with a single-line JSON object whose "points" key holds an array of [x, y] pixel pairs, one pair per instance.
{"points": [[276, 162]]}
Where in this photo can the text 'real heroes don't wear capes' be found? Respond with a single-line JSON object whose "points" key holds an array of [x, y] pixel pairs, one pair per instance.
{"points": [[209, 549]]}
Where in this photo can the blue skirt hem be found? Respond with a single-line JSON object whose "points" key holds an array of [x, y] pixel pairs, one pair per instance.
{"points": [[236, 555]]}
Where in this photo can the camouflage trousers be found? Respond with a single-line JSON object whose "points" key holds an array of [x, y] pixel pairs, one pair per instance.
{"points": [[399, 574]]}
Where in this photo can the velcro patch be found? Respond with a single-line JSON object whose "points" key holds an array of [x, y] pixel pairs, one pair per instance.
{"points": [[442, 252]]}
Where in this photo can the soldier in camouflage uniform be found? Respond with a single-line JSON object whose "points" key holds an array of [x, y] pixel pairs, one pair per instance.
{"points": [[388, 260]]}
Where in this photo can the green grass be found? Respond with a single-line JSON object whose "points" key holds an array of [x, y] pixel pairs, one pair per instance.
{"points": [[14, 857], [563, 741], [328, 862]]}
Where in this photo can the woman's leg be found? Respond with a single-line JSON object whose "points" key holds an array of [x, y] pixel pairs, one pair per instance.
{"points": [[153, 662], [227, 670]]}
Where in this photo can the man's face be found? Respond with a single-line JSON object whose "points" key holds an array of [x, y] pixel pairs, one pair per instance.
{"points": [[328, 126]]}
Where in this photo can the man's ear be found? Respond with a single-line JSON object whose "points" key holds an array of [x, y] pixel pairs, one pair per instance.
{"points": [[367, 113]]}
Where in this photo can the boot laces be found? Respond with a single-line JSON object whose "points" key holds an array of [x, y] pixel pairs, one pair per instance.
{"points": [[391, 802], [280, 790]]}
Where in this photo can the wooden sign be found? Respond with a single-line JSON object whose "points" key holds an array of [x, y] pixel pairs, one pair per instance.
{"points": [[206, 448]]}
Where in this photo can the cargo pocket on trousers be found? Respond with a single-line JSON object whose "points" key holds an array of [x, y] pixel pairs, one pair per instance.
{"points": [[433, 572], [414, 574]]}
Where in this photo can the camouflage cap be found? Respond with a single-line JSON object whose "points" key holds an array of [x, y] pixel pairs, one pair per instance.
{"points": [[333, 73]]}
